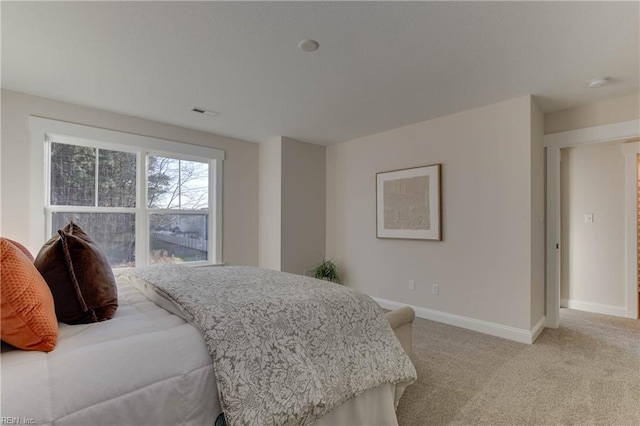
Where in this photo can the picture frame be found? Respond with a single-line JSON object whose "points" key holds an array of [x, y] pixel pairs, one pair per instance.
{"points": [[409, 203]]}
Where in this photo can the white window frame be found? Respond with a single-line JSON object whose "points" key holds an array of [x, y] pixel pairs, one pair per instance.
{"points": [[45, 131]]}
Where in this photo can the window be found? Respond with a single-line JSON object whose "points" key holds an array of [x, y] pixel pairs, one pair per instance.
{"points": [[143, 200], [178, 202]]}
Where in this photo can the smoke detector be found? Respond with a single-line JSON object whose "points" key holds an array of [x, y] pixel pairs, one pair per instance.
{"points": [[309, 45]]}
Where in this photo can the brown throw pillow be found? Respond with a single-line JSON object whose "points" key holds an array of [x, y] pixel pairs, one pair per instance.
{"points": [[79, 276]]}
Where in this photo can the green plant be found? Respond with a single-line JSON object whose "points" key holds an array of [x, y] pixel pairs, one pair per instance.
{"points": [[326, 270]]}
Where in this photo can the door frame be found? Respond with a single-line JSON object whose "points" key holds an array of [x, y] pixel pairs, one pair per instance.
{"points": [[591, 135]]}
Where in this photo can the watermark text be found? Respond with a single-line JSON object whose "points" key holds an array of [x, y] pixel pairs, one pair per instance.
{"points": [[6, 420]]}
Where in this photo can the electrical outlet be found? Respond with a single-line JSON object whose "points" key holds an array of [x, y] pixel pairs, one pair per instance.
{"points": [[412, 285], [435, 289]]}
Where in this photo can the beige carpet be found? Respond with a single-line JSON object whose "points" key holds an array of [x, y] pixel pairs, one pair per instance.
{"points": [[587, 372]]}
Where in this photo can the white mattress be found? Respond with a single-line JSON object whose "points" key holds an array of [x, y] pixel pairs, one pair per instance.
{"points": [[145, 366]]}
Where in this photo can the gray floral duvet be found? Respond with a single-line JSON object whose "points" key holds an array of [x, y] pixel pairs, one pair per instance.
{"points": [[286, 349]]}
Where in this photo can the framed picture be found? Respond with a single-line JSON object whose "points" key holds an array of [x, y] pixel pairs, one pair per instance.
{"points": [[408, 203]]}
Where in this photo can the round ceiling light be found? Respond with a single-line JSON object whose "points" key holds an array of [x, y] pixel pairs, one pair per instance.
{"points": [[598, 82], [309, 45]]}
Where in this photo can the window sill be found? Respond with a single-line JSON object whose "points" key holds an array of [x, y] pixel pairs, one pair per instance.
{"points": [[189, 264]]}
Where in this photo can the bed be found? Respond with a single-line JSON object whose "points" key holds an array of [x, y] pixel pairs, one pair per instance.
{"points": [[149, 366]]}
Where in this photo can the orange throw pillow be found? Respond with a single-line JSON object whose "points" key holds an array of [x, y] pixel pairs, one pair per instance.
{"points": [[22, 249], [28, 320]]}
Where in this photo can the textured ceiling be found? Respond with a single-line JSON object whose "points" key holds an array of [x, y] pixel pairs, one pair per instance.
{"points": [[379, 66]]}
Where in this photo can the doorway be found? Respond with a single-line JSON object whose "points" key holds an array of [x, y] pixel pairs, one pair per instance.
{"points": [[628, 130], [592, 228]]}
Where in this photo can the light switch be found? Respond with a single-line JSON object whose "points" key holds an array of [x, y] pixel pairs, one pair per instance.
{"points": [[588, 218]]}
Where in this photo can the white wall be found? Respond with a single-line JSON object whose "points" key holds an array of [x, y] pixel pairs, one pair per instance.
{"points": [[240, 191], [593, 255], [491, 182], [538, 215], [609, 111], [270, 205], [292, 204], [303, 205]]}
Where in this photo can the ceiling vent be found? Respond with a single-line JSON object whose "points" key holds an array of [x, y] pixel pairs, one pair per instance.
{"points": [[205, 111]]}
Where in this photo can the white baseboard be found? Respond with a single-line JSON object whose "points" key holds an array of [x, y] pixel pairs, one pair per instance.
{"points": [[597, 308], [538, 328], [486, 327]]}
